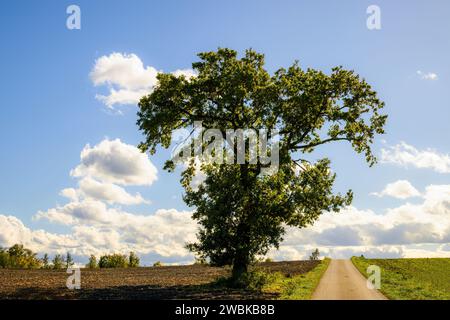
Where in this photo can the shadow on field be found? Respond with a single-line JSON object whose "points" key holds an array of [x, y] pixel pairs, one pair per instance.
{"points": [[147, 292]]}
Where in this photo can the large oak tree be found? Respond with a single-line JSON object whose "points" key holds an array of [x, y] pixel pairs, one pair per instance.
{"points": [[242, 213]]}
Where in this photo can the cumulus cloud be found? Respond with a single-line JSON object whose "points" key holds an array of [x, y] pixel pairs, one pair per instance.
{"points": [[96, 229], [427, 75], [401, 189], [396, 232], [406, 155], [126, 78], [408, 230], [433, 213], [113, 161], [92, 189], [165, 232], [13, 231], [188, 73]]}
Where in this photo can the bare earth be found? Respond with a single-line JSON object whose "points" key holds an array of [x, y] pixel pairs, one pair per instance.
{"points": [[342, 281], [170, 282]]}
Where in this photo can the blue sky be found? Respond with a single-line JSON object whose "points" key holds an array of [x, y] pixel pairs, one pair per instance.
{"points": [[50, 112]]}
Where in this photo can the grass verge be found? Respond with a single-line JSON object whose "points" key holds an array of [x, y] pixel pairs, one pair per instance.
{"points": [[299, 287], [411, 279]]}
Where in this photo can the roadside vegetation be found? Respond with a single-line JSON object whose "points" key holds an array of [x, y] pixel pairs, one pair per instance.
{"points": [[281, 284], [299, 287], [411, 279]]}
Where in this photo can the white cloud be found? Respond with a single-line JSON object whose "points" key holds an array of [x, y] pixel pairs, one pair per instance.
{"points": [[92, 189], [122, 97], [427, 75], [165, 232], [13, 231], [127, 79], [406, 155], [108, 192], [401, 189], [113, 161], [125, 75], [409, 230], [188, 73], [428, 222], [397, 232], [96, 229]]}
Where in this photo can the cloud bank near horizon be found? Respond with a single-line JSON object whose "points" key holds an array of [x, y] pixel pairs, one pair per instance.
{"points": [[97, 225]]}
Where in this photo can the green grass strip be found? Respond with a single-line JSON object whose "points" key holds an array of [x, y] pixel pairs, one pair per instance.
{"points": [[299, 287], [411, 279]]}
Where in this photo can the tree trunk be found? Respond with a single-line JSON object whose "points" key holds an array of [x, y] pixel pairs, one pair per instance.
{"points": [[241, 259], [240, 266]]}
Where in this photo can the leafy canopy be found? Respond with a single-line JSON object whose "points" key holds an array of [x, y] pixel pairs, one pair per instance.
{"points": [[241, 212]]}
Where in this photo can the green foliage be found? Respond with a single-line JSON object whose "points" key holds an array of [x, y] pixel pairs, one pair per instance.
{"points": [[411, 279], [58, 262], [201, 261], [18, 256], [69, 260], [92, 264], [133, 260], [299, 287], [314, 255], [268, 260], [158, 264], [45, 262], [113, 261], [4, 258], [243, 213], [254, 280]]}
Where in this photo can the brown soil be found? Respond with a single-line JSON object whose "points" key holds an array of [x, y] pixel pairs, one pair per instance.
{"points": [[171, 282]]}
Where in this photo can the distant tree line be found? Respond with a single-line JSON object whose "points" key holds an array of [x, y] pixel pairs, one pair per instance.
{"points": [[20, 257]]}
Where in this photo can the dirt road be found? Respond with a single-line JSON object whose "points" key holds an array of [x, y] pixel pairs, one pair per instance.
{"points": [[342, 281]]}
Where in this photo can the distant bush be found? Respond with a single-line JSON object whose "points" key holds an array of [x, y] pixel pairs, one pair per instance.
{"points": [[45, 262], [4, 258], [268, 260], [158, 264], [254, 280], [113, 261], [92, 264], [314, 255], [69, 260], [58, 262], [116, 260], [133, 260], [200, 261], [18, 256]]}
